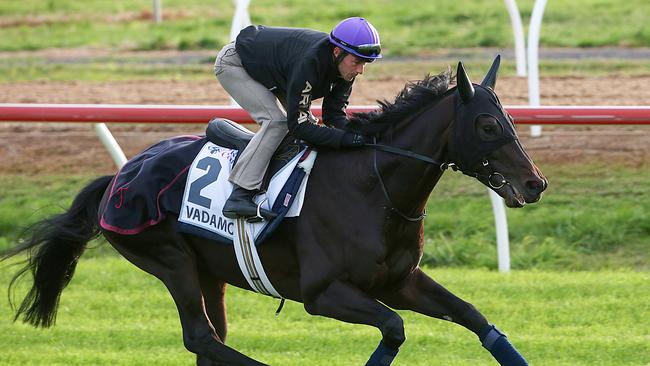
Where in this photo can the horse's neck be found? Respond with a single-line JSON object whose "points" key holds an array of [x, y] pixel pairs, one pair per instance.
{"points": [[410, 181]]}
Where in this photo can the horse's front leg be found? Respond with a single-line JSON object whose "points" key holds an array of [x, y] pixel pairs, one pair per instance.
{"points": [[341, 300], [422, 294]]}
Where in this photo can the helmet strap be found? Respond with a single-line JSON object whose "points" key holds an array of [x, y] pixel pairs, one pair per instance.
{"points": [[338, 59]]}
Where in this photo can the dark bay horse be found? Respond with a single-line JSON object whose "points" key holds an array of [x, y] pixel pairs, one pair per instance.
{"points": [[352, 255]]}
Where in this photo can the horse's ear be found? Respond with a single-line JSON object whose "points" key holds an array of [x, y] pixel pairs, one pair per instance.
{"points": [[491, 78], [465, 87]]}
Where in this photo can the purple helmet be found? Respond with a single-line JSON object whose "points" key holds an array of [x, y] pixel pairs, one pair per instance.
{"points": [[358, 37]]}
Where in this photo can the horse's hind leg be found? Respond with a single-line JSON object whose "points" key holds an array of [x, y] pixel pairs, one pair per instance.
{"points": [[214, 296], [423, 295], [167, 256]]}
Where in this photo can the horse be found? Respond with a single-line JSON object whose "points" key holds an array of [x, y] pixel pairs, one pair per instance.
{"points": [[353, 253]]}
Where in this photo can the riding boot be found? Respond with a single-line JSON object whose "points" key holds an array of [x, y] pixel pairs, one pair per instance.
{"points": [[240, 204]]}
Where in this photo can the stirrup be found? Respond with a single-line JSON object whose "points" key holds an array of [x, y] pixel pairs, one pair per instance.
{"points": [[259, 217]]}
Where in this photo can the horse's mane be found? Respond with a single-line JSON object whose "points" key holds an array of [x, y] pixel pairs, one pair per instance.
{"points": [[414, 96]]}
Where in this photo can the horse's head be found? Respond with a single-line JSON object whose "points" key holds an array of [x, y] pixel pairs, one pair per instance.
{"points": [[484, 142]]}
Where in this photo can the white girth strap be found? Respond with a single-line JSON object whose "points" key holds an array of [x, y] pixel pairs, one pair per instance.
{"points": [[249, 261]]}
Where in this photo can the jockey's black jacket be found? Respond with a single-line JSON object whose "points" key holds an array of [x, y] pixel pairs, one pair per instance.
{"points": [[298, 66]]}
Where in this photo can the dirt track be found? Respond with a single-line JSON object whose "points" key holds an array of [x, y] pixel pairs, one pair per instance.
{"points": [[73, 148]]}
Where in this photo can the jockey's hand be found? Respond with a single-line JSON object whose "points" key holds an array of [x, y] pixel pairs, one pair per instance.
{"points": [[353, 140]]}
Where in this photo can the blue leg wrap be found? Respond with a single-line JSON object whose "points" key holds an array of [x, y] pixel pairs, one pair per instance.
{"points": [[501, 349], [383, 355]]}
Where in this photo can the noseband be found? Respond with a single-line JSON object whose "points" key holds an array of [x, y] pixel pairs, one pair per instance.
{"points": [[495, 179], [500, 182]]}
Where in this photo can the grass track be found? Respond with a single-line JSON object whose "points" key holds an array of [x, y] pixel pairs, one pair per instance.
{"points": [[114, 314], [410, 27]]}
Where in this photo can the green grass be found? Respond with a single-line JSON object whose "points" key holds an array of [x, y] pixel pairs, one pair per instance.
{"points": [[24, 200], [114, 314], [418, 28], [415, 27], [591, 216], [31, 70]]}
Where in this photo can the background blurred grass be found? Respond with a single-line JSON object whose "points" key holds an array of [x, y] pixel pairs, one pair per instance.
{"points": [[407, 28], [592, 216], [412, 33]]}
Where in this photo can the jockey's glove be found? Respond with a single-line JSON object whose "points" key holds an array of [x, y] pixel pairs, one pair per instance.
{"points": [[353, 140]]}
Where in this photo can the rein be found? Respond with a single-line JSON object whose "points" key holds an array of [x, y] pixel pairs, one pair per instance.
{"points": [[405, 153], [500, 179]]}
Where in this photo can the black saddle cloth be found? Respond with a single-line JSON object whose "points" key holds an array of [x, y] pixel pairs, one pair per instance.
{"points": [[150, 186]]}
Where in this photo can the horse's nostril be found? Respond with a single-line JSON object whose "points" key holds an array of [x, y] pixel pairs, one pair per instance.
{"points": [[535, 185]]}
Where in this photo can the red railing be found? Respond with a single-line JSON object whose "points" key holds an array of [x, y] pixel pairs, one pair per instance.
{"points": [[125, 113]]}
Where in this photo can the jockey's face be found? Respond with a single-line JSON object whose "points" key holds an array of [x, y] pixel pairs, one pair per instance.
{"points": [[350, 66]]}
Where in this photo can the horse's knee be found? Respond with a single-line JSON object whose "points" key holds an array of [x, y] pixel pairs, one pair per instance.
{"points": [[392, 331], [315, 301], [192, 344], [198, 342]]}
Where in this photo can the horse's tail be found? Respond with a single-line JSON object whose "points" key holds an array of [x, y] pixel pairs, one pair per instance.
{"points": [[54, 246]]}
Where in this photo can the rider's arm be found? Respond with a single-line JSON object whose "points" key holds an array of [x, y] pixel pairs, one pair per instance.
{"points": [[335, 103], [299, 95]]}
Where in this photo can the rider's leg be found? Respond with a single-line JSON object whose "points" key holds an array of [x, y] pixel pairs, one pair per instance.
{"points": [[262, 105], [423, 295]]}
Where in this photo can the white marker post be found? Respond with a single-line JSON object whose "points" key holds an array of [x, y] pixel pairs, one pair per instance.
{"points": [[240, 20], [518, 33], [533, 60], [501, 224], [157, 11], [110, 144]]}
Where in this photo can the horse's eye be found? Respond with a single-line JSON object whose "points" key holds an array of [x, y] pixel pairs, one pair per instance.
{"points": [[487, 127]]}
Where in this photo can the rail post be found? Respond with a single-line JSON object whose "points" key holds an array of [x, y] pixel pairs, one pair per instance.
{"points": [[533, 60]]}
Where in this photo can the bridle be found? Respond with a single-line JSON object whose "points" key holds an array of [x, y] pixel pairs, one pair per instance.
{"points": [[488, 178], [495, 179]]}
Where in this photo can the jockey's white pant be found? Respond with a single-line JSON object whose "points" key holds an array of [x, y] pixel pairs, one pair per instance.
{"points": [[263, 106]]}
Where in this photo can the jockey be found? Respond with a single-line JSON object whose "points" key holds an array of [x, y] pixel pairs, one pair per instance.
{"points": [[274, 74]]}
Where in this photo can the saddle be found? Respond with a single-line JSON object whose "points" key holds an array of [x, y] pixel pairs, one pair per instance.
{"points": [[231, 135], [226, 133]]}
